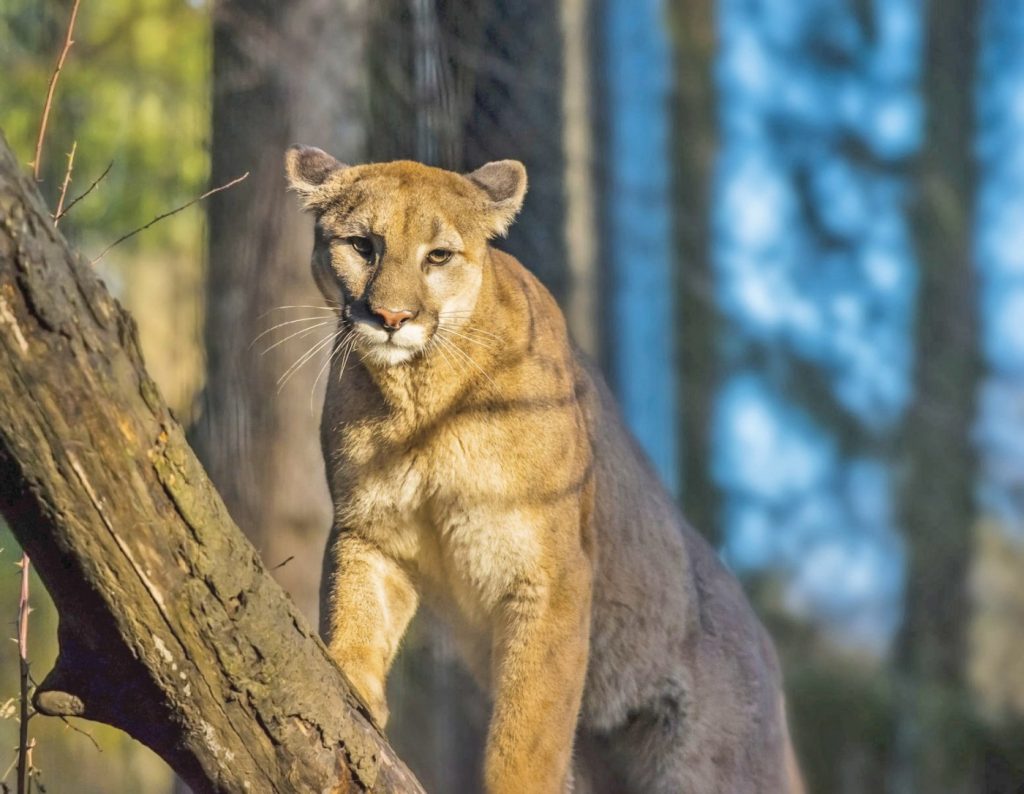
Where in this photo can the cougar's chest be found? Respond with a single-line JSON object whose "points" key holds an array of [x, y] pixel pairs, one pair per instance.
{"points": [[436, 506], [382, 492]]}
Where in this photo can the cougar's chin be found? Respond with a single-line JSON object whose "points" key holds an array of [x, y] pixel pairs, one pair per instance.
{"points": [[389, 354], [387, 350]]}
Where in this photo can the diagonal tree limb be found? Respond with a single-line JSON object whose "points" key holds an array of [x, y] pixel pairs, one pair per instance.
{"points": [[170, 627], [168, 214]]}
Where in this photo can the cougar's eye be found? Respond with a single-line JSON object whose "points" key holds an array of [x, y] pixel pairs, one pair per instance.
{"points": [[439, 256], [362, 245]]}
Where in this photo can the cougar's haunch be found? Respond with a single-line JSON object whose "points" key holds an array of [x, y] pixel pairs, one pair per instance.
{"points": [[478, 465]]}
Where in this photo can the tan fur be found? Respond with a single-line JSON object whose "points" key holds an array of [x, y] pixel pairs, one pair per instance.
{"points": [[497, 485]]}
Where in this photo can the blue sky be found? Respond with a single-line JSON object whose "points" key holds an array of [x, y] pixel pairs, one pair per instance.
{"points": [[815, 266], [999, 253], [820, 119]]}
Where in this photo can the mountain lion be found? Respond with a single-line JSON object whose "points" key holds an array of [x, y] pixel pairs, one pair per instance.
{"points": [[478, 464]]}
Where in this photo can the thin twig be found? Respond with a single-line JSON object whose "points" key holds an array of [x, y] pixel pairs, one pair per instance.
{"points": [[84, 733], [32, 771], [134, 232], [24, 746], [8, 771], [64, 185], [83, 194], [49, 92]]}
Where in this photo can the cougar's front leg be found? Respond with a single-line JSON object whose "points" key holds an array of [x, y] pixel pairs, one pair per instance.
{"points": [[540, 659], [366, 603]]}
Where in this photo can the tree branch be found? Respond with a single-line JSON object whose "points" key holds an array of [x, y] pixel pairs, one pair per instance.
{"points": [[65, 184], [37, 162], [168, 214], [170, 627], [61, 213]]}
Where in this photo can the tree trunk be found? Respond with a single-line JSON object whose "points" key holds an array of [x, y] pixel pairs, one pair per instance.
{"points": [[283, 73], [582, 301], [170, 627], [516, 106], [938, 506], [693, 28], [457, 83], [636, 79]]}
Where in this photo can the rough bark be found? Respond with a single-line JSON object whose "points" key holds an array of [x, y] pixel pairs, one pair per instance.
{"points": [[283, 73], [170, 627]]}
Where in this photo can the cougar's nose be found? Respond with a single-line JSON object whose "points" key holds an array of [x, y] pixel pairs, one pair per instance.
{"points": [[393, 319]]}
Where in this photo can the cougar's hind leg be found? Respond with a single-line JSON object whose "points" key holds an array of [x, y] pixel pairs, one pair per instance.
{"points": [[651, 749], [594, 768]]}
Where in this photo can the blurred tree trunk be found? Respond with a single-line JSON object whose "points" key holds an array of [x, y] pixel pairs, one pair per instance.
{"points": [[693, 28], [282, 73], [937, 500], [516, 112], [457, 83], [581, 234], [637, 76], [170, 627], [421, 93]]}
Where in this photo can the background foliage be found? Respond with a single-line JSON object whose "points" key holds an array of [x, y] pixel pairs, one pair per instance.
{"points": [[789, 230]]}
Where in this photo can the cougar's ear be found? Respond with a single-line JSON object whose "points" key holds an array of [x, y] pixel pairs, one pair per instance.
{"points": [[504, 182], [308, 168]]}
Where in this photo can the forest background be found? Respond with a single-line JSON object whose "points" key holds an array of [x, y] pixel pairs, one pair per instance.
{"points": [[791, 232]]}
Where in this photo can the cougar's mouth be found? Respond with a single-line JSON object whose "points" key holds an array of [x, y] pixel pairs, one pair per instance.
{"points": [[390, 347]]}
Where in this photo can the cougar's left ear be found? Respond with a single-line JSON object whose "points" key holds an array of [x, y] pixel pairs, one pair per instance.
{"points": [[308, 169], [504, 182]]}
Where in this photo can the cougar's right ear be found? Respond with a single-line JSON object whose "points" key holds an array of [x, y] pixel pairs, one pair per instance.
{"points": [[504, 183], [308, 170]]}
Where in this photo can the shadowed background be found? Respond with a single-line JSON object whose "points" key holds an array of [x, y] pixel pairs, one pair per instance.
{"points": [[790, 231]]}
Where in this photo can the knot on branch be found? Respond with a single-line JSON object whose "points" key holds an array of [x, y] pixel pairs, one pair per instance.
{"points": [[56, 695], [54, 703]]}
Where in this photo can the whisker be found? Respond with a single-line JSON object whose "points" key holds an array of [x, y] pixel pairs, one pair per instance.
{"points": [[471, 328], [481, 342], [327, 363], [436, 342], [300, 333], [460, 355], [286, 322], [362, 357], [331, 309], [469, 359], [305, 357], [348, 352], [457, 364]]}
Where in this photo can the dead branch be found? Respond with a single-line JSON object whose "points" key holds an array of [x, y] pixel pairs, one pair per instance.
{"points": [[68, 41], [84, 193], [168, 214], [170, 626], [57, 213], [24, 745]]}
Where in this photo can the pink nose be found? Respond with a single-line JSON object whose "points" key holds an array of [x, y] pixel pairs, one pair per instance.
{"points": [[393, 319]]}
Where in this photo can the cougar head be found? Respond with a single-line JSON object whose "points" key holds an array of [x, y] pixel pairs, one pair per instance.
{"points": [[400, 248]]}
